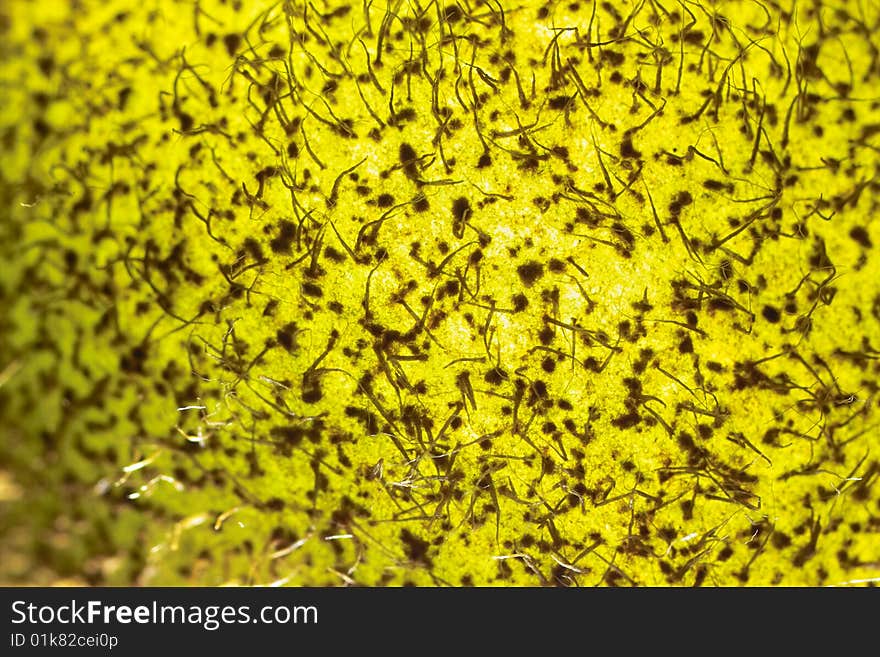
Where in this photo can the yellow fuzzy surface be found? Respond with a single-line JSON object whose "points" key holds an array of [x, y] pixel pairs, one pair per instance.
{"points": [[317, 293]]}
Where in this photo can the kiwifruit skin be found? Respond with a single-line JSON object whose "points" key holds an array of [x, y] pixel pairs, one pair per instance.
{"points": [[568, 308]]}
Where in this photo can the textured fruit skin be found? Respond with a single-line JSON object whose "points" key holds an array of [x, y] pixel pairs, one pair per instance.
{"points": [[545, 294]]}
